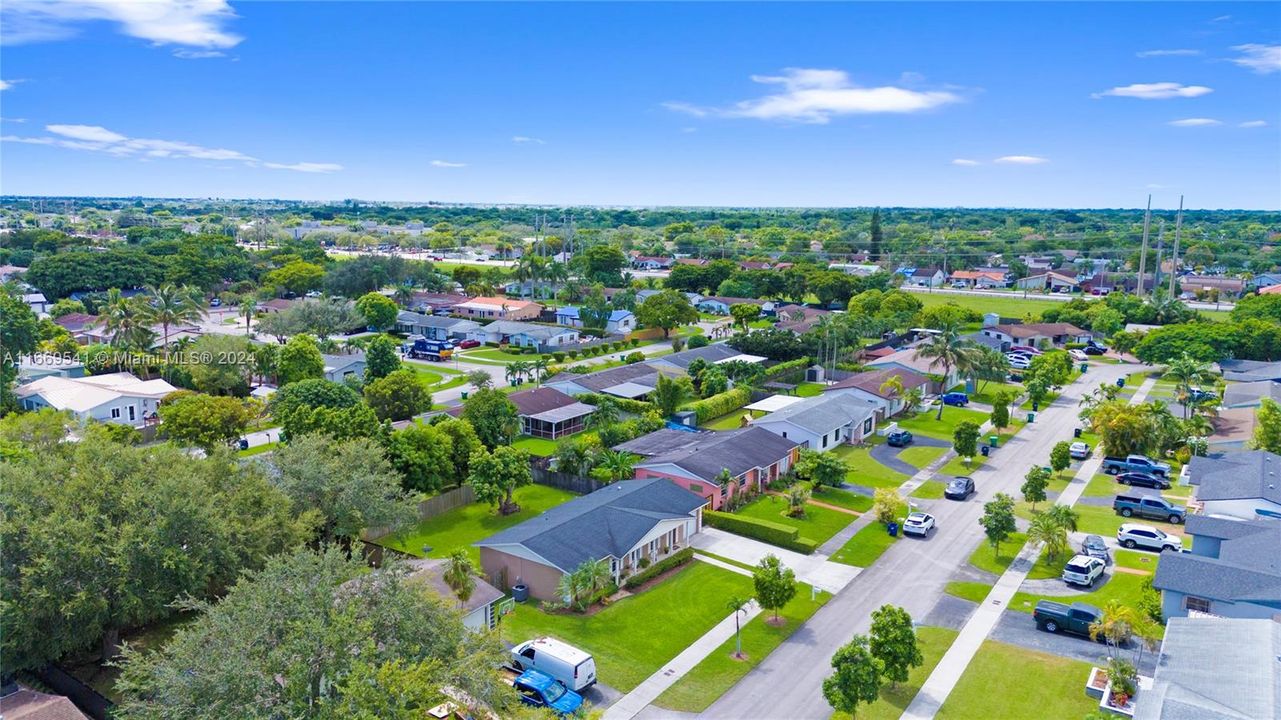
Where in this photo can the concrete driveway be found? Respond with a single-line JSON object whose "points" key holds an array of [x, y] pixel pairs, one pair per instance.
{"points": [[813, 569]]}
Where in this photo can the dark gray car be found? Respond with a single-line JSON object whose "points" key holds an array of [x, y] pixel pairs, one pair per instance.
{"points": [[1096, 547]]}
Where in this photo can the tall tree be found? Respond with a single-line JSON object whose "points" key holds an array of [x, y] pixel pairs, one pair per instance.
{"points": [[496, 475], [300, 359], [856, 677], [1267, 427], [775, 584], [1187, 372], [894, 643], [1034, 484], [19, 333], [398, 396], [170, 305], [382, 358], [460, 575], [946, 350], [1061, 456], [998, 520], [205, 421], [1047, 531], [875, 236], [667, 310], [965, 438], [423, 455], [738, 606], [494, 417], [379, 310]]}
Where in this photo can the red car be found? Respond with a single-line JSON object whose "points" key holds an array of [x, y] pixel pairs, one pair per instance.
{"points": [[468, 344]]}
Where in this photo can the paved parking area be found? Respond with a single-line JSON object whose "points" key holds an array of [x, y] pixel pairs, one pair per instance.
{"points": [[813, 569]]}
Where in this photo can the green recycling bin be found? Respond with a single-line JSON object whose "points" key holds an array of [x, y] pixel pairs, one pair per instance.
{"points": [[992, 440], [1031, 417]]}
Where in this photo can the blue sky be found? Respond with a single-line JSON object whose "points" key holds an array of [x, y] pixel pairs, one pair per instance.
{"points": [[912, 104]]}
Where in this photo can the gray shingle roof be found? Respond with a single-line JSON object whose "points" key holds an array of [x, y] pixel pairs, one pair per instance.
{"points": [[710, 353], [1250, 370], [1249, 393], [738, 451], [406, 317], [1238, 475], [543, 332], [1248, 566], [639, 373], [823, 413], [1216, 669], [607, 522]]}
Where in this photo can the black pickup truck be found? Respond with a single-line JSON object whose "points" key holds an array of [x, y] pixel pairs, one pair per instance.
{"points": [[1057, 617]]}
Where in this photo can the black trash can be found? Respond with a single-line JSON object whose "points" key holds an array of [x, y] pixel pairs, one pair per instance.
{"points": [[1076, 432], [1036, 405], [984, 450], [244, 444]]}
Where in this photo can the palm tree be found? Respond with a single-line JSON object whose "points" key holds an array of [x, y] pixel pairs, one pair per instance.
{"points": [[171, 305], [1064, 517], [620, 465], [539, 368], [521, 368], [248, 308], [1115, 625], [724, 479], [605, 414], [511, 372], [1186, 372], [1045, 530], [596, 574], [948, 350], [127, 320], [460, 575], [403, 295], [737, 605]]}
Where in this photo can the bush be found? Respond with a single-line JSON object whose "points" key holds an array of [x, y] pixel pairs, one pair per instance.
{"points": [[680, 558], [785, 367], [530, 351], [643, 563], [721, 403], [784, 536], [558, 356], [634, 358], [698, 341], [573, 354], [634, 342], [636, 407]]}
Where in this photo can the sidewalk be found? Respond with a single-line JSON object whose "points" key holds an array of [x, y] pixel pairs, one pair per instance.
{"points": [[948, 672], [648, 691]]}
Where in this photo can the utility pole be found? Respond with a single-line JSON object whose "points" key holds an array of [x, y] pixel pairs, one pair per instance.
{"points": [[1174, 258], [1160, 249], [1143, 254]]}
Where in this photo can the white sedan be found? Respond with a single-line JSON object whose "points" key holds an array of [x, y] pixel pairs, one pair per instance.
{"points": [[918, 523], [1018, 362], [1078, 355]]}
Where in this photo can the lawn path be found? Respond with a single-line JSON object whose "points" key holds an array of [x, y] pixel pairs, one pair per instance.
{"points": [[948, 672], [631, 704]]}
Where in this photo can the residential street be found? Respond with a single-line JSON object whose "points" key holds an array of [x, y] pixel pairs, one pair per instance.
{"points": [[911, 574]]}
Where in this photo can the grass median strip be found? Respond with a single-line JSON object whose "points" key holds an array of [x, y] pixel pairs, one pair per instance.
{"points": [[1008, 682], [969, 590], [865, 547]]}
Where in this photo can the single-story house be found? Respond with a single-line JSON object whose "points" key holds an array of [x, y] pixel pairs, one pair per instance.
{"points": [[496, 308], [930, 277], [1251, 394], [36, 301], [38, 365], [629, 381], [824, 422], [1249, 370], [436, 303], [799, 318], [99, 333], [754, 457], [478, 609], [859, 269], [339, 367], [720, 305], [546, 412], [434, 327], [643, 295], [1213, 668], [620, 322], [712, 354], [908, 359], [523, 334], [645, 262], [9, 272], [980, 278], [19, 702], [78, 324], [1239, 484], [120, 398], [1265, 280], [620, 524], [1227, 286], [1233, 570], [1054, 281], [869, 387], [1034, 334]]}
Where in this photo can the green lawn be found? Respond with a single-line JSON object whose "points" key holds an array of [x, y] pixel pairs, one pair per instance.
{"points": [[933, 642], [930, 490], [809, 389], [819, 523], [633, 637], [865, 547], [259, 449], [1104, 521], [925, 424], [1136, 560], [541, 447], [918, 456], [958, 466], [463, 526], [842, 498], [1006, 682], [988, 395], [1006, 304], [729, 421], [1101, 485], [1049, 398], [718, 672], [1124, 587], [972, 591], [487, 353], [863, 470], [724, 559], [429, 377], [984, 558]]}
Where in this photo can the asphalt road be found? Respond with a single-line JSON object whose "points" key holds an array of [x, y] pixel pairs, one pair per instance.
{"points": [[911, 574]]}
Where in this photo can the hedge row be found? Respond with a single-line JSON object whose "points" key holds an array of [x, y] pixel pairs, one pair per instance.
{"points": [[680, 557], [789, 366], [636, 407], [784, 536], [721, 403]]}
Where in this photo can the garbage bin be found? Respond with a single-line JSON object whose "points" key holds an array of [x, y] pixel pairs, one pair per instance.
{"points": [[892, 529], [1036, 405], [993, 440], [1120, 382], [1076, 432], [244, 444], [1084, 367], [520, 592], [464, 394], [1031, 417], [985, 449]]}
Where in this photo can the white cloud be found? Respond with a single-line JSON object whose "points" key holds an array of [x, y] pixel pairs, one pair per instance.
{"points": [[447, 164], [13, 120], [5, 84], [1195, 122], [814, 96], [1156, 91], [526, 140], [1182, 52], [1262, 59], [1221, 18], [193, 23], [965, 162], [198, 54], [1254, 124], [96, 138], [1020, 160]]}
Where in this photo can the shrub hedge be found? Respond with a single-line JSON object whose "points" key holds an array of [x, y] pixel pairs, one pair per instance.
{"points": [[636, 407], [721, 403], [786, 367], [678, 558], [784, 536]]}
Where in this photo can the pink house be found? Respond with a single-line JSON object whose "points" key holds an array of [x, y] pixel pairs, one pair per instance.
{"points": [[752, 456]]}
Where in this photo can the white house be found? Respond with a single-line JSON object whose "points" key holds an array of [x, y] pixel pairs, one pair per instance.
{"points": [[524, 334], [479, 611], [340, 367], [930, 277], [870, 387], [1054, 281], [620, 322], [824, 422], [120, 398], [1036, 334]]}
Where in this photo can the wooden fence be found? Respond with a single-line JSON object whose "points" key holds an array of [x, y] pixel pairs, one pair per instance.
{"points": [[571, 483]]}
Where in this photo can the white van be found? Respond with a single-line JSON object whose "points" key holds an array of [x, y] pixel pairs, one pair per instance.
{"points": [[573, 667]]}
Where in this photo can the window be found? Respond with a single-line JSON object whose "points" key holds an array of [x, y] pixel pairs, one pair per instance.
{"points": [[133, 413], [784, 433], [115, 413], [696, 488], [867, 426], [824, 441], [1196, 604]]}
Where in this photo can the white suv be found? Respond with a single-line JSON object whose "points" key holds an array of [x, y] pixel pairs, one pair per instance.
{"points": [[1132, 535], [1083, 570]]}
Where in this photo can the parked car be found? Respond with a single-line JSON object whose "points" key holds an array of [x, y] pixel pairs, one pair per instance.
{"points": [[1197, 395], [468, 344], [1135, 463], [959, 488], [899, 438], [1076, 618], [1078, 355], [1140, 479], [1096, 547], [216, 302], [1078, 450], [544, 691], [1151, 507], [1094, 350], [564, 662], [918, 523], [1083, 570], [1134, 535], [959, 399], [1024, 350], [1018, 362]]}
